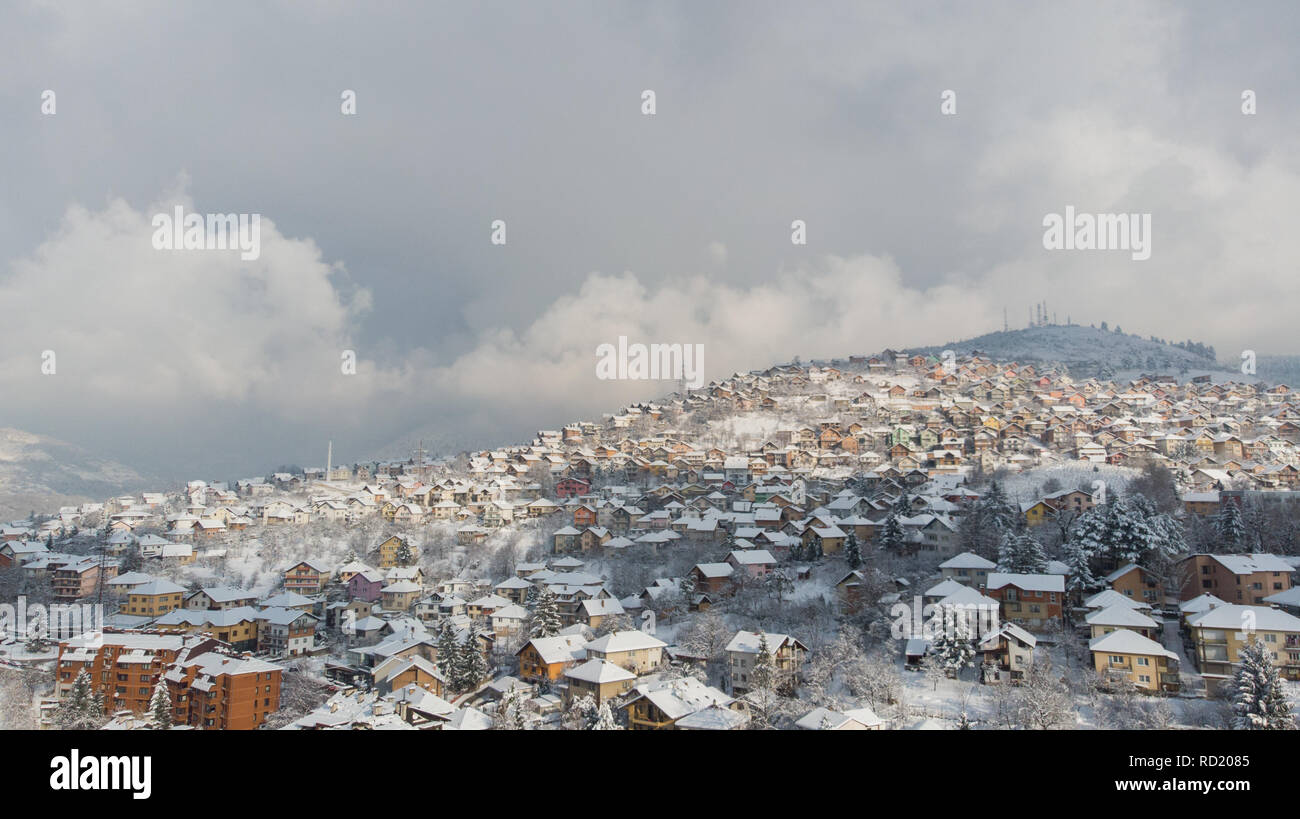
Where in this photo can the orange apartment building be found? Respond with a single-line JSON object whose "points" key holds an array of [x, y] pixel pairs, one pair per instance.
{"points": [[123, 667], [209, 689], [215, 691], [1241, 579]]}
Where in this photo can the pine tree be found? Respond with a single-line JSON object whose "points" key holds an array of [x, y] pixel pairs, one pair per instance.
{"points": [[448, 655], [687, 588], [1259, 700], [1229, 527], [852, 552], [954, 645], [999, 512], [890, 537], [604, 720], [160, 706], [83, 708], [1021, 554], [1077, 558], [814, 551], [471, 667], [545, 621], [763, 676]]}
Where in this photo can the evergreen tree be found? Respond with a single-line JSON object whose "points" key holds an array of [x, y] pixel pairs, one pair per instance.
{"points": [[1128, 529], [890, 538], [1021, 554], [1259, 701], [83, 708], [687, 588], [1077, 558], [954, 643], [545, 621], [902, 504], [448, 654], [604, 720], [852, 552], [580, 713], [471, 666], [814, 551], [160, 706], [1229, 527], [763, 676], [999, 512]]}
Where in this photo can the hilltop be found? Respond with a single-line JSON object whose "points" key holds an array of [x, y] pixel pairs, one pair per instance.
{"points": [[1083, 349]]}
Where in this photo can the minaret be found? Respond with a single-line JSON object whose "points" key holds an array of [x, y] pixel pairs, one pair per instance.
{"points": [[329, 460]]}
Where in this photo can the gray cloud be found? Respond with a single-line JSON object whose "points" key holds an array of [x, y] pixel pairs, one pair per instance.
{"points": [[921, 227]]}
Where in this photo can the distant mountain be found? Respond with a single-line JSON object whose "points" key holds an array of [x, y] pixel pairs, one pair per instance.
{"points": [[41, 473], [1084, 350]]}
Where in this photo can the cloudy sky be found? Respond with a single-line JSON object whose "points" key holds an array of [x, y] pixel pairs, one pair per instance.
{"points": [[674, 227]]}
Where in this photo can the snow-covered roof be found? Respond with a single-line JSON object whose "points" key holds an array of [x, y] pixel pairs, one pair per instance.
{"points": [[968, 560], [1123, 641]]}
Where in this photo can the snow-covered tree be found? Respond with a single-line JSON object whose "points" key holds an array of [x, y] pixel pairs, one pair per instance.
{"points": [[448, 654], [1042, 700], [545, 620], [1020, 553], [160, 706], [581, 713], [604, 720], [510, 712], [763, 675], [953, 647], [470, 667], [890, 538], [1259, 701], [83, 708], [1229, 527], [1078, 558], [852, 551], [987, 521], [687, 589], [1128, 529]]}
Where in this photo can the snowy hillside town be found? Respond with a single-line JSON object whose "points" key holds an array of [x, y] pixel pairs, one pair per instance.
{"points": [[889, 542]]}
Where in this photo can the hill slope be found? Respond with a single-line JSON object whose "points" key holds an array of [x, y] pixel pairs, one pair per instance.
{"points": [[42, 473]]}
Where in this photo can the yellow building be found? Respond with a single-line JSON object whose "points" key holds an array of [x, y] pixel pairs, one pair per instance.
{"points": [[1220, 633], [1141, 661], [389, 551], [154, 598]]}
